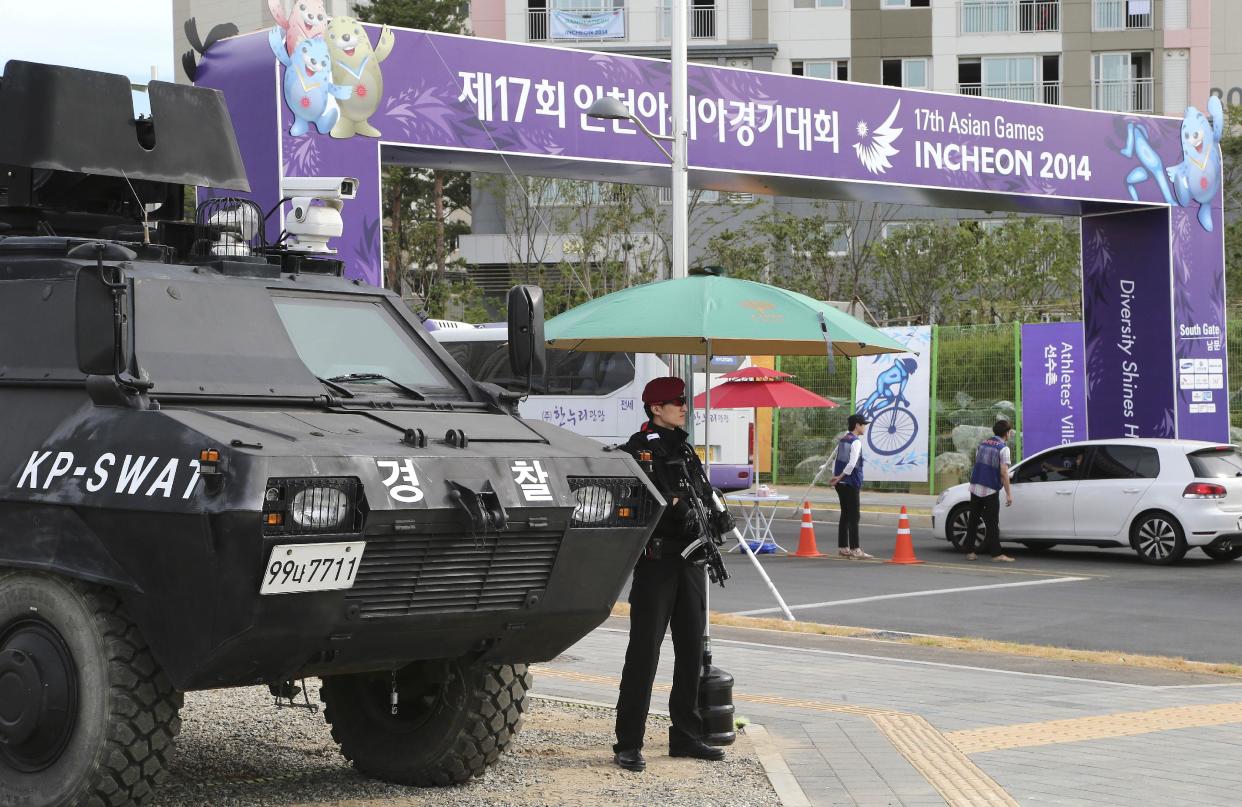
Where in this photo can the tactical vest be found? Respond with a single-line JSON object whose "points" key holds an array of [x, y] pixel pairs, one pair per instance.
{"points": [[855, 479], [987, 470]]}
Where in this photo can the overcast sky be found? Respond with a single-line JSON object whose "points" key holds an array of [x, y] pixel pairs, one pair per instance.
{"points": [[116, 36]]}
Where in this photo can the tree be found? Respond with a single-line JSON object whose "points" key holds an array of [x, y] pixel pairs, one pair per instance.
{"points": [[1028, 266], [426, 197], [918, 270]]}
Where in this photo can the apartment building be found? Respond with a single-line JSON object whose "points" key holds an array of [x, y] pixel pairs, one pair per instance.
{"points": [[1123, 55]]}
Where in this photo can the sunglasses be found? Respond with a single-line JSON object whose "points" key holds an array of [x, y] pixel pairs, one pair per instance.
{"points": [[675, 401]]}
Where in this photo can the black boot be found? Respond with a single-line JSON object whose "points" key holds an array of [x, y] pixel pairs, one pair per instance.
{"points": [[695, 750], [631, 760]]}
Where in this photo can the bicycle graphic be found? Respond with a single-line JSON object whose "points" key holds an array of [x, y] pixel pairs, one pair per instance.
{"points": [[893, 426]]}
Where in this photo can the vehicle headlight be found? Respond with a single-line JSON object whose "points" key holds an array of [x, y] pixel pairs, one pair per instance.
{"points": [[320, 508], [941, 497], [592, 504]]}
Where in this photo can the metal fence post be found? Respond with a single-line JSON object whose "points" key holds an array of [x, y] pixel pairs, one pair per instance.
{"points": [[776, 436], [1017, 391], [931, 419]]}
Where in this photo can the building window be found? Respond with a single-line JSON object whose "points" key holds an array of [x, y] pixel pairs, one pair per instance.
{"points": [[907, 3], [838, 69], [910, 73], [819, 3], [1122, 82]]}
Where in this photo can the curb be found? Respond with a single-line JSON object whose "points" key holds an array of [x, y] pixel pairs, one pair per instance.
{"points": [[871, 517]]}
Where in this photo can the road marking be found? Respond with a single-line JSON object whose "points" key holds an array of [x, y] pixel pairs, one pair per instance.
{"points": [[907, 594], [944, 664], [1096, 727]]}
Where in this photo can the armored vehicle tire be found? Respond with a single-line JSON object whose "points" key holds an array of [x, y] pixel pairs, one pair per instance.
{"points": [[86, 715], [453, 720]]}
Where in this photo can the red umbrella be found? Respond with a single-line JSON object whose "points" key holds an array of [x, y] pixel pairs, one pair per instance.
{"points": [[750, 394], [755, 374]]}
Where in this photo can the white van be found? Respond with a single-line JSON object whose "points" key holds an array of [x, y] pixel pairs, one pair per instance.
{"points": [[599, 395]]}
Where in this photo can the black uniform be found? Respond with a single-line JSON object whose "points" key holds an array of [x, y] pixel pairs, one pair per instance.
{"points": [[666, 590]]}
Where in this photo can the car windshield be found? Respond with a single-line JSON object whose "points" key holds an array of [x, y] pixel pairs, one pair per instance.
{"points": [[1216, 463], [360, 338]]}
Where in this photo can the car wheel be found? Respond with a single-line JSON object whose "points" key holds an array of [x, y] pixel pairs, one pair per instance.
{"points": [[1233, 552], [88, 717], [955, 526], [449, 723], [1158, 538], [1039, 546]]}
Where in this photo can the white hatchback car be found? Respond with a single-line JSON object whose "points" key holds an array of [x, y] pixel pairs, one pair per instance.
{"points": [[1159, 497]]}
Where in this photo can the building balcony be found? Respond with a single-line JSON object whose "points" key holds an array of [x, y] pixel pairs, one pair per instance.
{"points": [[577, 24], [1132, 95], [1008, 16], [1120, 15], [702, 23], [1039, 92]]}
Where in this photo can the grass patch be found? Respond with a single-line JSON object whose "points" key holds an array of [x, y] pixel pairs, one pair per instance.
{"points": [[1112, 657]]}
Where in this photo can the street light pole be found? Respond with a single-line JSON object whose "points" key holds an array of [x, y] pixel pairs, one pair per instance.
{"points": [[609, 108]]}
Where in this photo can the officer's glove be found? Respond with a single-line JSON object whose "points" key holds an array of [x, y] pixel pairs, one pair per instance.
{"points": [[691, 528]]}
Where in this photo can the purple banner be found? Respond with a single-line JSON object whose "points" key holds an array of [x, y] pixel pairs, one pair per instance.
{"points": [[463, 102], [1054, 385], [1199, 322], [1128, 319]]}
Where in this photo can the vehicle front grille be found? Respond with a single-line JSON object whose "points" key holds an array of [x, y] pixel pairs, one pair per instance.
{"points": [[446, 574]]}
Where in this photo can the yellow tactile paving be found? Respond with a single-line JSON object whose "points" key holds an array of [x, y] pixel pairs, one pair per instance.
{"points": [[942, 764], [1121, 724], [958, 780]]}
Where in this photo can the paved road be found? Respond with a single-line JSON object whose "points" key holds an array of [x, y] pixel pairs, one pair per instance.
{"points": [[1083, 598]]}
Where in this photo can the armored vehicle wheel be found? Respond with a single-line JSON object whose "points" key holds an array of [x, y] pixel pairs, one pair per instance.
{"points": [[453, 720], [86, 715]]}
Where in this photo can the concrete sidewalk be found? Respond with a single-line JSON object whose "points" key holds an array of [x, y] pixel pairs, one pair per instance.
{"points": [[865, 722], [878, 509]]}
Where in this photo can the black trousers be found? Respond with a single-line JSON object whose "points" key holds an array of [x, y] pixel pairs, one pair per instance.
{"points": [[665, 592], [851, 514], [988, 509]]}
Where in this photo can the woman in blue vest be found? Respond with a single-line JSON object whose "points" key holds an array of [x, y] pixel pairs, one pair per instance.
{"points": [[990, 474], [847, 478]]}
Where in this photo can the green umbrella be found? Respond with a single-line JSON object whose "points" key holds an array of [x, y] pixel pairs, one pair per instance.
{"points": [[707, 314]]}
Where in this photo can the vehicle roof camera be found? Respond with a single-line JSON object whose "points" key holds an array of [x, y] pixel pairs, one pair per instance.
{"points": [[316, 214]]}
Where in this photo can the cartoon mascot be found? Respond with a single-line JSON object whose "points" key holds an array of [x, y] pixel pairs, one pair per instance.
{"points": [[1197, 178], [306, 19], [355, 64], [309, 90]]}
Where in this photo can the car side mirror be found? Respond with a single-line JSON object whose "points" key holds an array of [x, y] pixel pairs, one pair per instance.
{"points": [[527, 351], [98, 307]]}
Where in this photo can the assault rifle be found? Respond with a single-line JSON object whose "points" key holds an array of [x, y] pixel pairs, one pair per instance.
{"points": [[710, 531]]}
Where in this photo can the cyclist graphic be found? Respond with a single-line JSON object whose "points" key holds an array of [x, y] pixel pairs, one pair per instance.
{"points": [[893, 425]]}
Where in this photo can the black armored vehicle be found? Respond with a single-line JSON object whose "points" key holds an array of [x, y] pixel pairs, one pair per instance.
{"points": [[222, 463]]}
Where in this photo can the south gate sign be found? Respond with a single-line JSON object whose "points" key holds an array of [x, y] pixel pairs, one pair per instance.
{"points": [[1148, 188]]}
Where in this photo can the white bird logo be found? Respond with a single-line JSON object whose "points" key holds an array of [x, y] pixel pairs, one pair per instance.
{"points": [[874, 154]]}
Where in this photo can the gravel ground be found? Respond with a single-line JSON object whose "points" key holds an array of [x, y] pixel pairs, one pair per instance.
{"points": [[237, 749]]}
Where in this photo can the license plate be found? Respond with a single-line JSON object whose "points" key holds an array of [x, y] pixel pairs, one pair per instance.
{"points": [[297, 568]]}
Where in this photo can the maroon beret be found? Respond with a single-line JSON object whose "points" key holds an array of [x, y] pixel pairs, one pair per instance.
{"points": [[661, 390]]}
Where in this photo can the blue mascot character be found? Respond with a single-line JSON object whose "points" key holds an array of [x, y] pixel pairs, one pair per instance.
{"points": [[309, 91], [1198, 176]]}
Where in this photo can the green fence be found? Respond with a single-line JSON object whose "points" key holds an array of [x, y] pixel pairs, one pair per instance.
{"points": [[976, 379]]}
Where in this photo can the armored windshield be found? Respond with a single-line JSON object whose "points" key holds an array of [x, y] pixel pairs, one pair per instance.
{"points": [[340, 338], [207, 336]]}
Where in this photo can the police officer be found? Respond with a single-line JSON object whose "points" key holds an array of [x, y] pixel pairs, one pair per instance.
{"points": [[847, 478], [667, 589], [990, 474]]}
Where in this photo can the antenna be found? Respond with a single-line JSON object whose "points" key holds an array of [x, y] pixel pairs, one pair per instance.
{"points": [[146, 224]]}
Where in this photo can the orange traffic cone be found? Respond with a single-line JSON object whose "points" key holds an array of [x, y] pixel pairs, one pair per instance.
{"points": [[903, 552], [806, 536]]}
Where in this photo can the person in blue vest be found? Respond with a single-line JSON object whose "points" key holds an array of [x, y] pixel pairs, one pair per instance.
{"points": [[989, 476], [847, 478]]}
